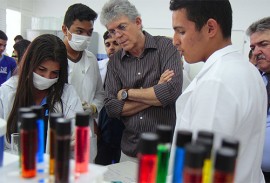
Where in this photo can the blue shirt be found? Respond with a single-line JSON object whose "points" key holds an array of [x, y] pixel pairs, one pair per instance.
{"points": [[266, 149], [45, 117], [7, 66]]}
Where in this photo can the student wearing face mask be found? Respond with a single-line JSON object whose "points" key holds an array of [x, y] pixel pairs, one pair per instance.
{"points": [[41, 80], [83, 67]]}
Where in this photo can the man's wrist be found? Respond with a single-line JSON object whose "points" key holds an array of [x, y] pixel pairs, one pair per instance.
{"points": [[124, 94]]}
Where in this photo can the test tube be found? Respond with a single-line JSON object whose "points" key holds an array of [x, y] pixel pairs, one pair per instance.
{"points": [[194, 159], [231, 142], [22, 110], [224, 165], [165, 134], [207, 165], [205, 134], [38, 110], [52, 120], [147, 157], [184, 137], [82, 142], [28, 138], [62, 150]]}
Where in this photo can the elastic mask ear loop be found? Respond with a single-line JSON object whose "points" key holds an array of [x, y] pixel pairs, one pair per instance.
{"points": [[70, 34]]}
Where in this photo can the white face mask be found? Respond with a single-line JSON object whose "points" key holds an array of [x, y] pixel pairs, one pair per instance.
{"points": [[78, 42], [42, 83]]}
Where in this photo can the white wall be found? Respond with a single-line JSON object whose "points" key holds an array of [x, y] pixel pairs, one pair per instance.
{"points": [[23, 6], [155, 13], [44, 8], [3, 15]]}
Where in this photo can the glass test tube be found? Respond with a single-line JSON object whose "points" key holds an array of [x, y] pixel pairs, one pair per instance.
{"points": [[165, 134], [82, 142], [62, 150], [224, 165], [28, 138], [184, 137], [147, 158], [194, 159], [52, 120]]}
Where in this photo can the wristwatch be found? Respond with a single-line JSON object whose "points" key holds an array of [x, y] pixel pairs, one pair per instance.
{"points": [[124, 94]]}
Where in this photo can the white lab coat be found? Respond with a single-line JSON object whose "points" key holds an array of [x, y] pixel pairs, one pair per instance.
{"points": [[186, 80], [102, 64], [70, 99], [85, 77], [229, 98]]}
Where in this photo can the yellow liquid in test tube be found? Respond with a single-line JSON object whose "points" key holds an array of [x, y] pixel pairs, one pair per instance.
{"points": [[207, 171]]}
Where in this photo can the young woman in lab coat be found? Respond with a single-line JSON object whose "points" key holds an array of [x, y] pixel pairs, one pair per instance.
{"points": [[42, 80]]}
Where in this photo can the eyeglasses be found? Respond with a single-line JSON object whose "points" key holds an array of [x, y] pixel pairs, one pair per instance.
{"points": [[120, 29]]}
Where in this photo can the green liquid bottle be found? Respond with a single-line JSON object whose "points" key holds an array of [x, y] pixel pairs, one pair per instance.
{"points": [[165, 134]]}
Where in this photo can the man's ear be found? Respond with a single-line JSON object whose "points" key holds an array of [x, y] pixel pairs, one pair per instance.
{"points": [[138, 22], [64, 30], [212, 27]]}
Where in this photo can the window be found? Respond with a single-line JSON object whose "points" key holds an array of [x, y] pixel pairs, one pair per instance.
{"points": [[13, 21]]}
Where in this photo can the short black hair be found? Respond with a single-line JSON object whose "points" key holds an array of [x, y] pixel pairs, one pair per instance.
{"points": [[200, 11], [18, 37], [79, 11], [106, 35], [3, 36]]}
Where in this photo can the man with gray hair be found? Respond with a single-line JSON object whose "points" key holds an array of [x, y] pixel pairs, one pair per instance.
{"points": [[259, 33], [143, 80]]}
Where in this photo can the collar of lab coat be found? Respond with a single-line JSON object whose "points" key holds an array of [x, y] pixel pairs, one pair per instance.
{"points": [[208, 64], [87, 63]]}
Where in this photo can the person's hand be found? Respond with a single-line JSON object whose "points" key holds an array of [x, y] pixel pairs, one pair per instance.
{"points": [[166, 76], [91, 108]]}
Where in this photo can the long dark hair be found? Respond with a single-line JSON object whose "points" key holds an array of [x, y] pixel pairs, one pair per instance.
{"points": [[43, 48]]}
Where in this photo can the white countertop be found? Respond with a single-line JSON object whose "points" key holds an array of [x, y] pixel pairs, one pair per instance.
{"points": [[124, 172], [10, 172]]}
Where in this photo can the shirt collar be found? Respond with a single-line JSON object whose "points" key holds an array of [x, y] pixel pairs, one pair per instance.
{"points": [[215, 56], [44, 101], [150, 43]]}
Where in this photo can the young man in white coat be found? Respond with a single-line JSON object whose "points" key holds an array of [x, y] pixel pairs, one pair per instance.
{"points": [[83, 67], [227, 96]]}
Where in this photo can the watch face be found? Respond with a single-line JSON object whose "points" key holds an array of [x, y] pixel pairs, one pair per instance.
{"points": [[124, 95]]}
